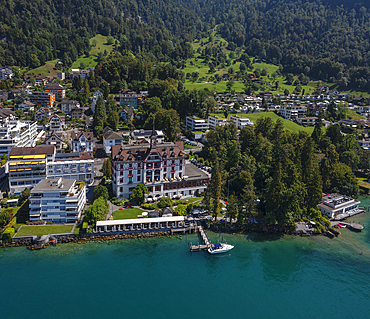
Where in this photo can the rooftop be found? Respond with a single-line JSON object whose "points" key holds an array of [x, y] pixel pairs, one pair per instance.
{"points": [[194, 173], [54, 185], [38, 150]]}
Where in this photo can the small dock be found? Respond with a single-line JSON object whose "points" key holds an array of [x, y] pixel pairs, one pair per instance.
{"points": [[205, 239], [352, 226]]}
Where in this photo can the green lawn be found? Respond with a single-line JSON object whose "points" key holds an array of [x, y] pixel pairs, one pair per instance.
{"points": [[47, 69], [289, 125], [127, 213], [99, 44], [44, 230], [356, 116]]}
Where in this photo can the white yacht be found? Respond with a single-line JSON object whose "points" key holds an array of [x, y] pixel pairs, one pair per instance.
{"points": [[219, 248]]}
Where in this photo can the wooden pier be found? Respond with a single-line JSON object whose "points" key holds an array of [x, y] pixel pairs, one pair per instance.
{"points": [[205, 239]]}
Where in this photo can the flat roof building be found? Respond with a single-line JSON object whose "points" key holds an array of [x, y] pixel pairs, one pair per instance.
{"points": [[58, 200]]}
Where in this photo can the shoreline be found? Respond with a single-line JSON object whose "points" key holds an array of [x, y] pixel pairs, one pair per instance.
{"points": [[72, 238]]}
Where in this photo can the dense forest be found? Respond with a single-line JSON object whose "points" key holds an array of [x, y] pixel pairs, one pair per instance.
{"points": [[278, 176], [323, 39]]}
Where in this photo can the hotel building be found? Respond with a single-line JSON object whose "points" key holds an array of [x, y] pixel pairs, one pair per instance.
{"points": [[160, 167]]}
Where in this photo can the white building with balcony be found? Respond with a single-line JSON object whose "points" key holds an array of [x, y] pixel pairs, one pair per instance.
{"points": [[57, 200], [337, 206], [240, 122], [17, 134], [159, 166], [194, 123], [292, 112], [29, 165], [78, 166], [214, 121]]}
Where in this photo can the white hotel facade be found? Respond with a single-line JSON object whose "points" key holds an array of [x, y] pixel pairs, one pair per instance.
{"points": [[160, 167]]}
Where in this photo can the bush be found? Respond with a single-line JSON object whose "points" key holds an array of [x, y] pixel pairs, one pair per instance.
{"points": [[8, 234], [181, 210], [165, 202], [152, 206], [84, 227]]}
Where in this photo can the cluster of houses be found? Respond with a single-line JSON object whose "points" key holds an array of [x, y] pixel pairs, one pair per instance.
{"points": [[57, 163]]}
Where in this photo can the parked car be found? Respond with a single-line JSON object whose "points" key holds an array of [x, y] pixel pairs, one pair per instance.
{"points": [[87, 190]]}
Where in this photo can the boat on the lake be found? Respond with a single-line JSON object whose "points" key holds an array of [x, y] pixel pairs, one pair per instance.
{"points": [[219, 248]]}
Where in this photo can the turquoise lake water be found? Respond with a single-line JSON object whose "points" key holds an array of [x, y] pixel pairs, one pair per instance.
{"points": [[262, 277]]}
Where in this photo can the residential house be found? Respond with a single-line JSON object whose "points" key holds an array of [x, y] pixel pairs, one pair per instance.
{"points": [[143, 136], [95, 97], [6, 115], [66, 106], [364, 110], [3, 96], [41, 81], [82, 142], [129, 99], [126, 114], [61, 75], [6, 72], [58, 90], [77, 113], [323, 89], [59, 200], [56, 139], [364, 143], [111, 138], [42, 98], [42, 112], [26, 106], [79, 73], [57, 122]]}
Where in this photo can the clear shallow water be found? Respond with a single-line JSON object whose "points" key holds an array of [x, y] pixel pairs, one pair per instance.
{"points": [[262, 277]]}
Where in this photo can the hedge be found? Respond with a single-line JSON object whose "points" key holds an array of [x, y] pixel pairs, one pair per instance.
{"points": [[8, 234]]}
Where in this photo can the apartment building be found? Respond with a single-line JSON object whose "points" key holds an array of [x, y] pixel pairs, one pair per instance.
{"points": [[58, 90], [57, 200], [129, 99], [17, 134], [194, 123], [214, 121], [111, 138], [240, 122], [29, 165], [57, 122], [78, 166], [6, 72], [42, 98], [292, 112]]}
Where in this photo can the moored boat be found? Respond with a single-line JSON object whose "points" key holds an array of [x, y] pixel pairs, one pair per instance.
{"points": [[220, 248]]}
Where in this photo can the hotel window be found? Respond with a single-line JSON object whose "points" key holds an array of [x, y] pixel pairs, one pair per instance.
{"points": [[138, 172], [138, 178]]}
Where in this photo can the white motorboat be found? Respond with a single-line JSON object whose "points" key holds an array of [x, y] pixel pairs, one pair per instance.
{"points": [[219, 248]]}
